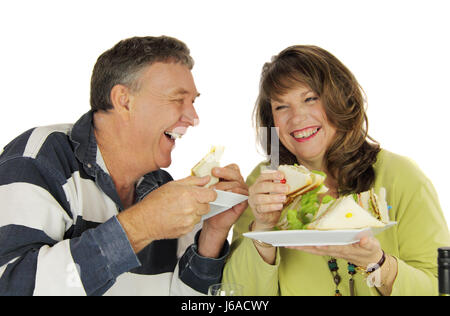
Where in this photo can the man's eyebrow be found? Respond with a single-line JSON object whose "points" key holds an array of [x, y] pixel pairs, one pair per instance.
{"points": [[182, 92]]}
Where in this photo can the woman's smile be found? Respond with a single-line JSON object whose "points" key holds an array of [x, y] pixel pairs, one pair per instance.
{"points": [[305, 134]]}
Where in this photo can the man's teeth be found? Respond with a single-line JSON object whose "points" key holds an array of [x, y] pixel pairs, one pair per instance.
{"points": [[173, 135], [305, 134]]}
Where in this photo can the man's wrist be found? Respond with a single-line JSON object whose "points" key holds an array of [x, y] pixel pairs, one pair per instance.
{"points": [[199, 272], [136, 234], [211, 242]]}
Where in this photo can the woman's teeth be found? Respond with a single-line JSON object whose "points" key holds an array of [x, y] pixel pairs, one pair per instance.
{"points": [[306, 133]]}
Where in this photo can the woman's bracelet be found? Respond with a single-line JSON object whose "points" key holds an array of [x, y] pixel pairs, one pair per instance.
{"points": [[258, 242], [378, 264]]}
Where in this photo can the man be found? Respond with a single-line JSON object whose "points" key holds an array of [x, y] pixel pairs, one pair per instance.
{"points": [[87, 210]]}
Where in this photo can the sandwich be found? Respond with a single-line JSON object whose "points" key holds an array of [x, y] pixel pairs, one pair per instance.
{"points": [[355, 211], [374, 204], [303, 210], [302, 201], [204, 167], [345, 213], [301, 181]]}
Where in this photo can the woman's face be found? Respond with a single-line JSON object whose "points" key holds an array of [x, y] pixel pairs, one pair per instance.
{"points": [[303, 125]]}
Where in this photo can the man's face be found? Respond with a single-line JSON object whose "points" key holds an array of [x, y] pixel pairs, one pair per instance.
{"points": [[163, 104]]}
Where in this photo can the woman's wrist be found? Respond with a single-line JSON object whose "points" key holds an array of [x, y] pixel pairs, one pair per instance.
{"points": [[265, 250], [388, 275], [260, 227]]}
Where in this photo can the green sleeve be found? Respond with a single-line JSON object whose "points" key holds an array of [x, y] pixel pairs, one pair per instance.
{"points": [[244, 265], [421, 227]]}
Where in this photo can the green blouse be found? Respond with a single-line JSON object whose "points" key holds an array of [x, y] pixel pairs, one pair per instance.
{"points": [[421, 228]]}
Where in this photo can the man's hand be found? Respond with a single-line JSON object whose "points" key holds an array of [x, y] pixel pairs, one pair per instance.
{"points": [[168, 212], [215, 229]]}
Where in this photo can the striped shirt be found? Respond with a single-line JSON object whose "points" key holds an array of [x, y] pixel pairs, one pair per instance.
{"points": [[59, 234]]}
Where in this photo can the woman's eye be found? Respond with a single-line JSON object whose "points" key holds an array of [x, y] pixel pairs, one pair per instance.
{"points": [[280, 107], [311, 99]]}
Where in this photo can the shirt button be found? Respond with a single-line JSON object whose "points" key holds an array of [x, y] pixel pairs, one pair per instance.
{"points": [[89, 165]]}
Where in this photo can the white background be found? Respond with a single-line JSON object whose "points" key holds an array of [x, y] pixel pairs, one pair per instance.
{"points": [[398, 50]]}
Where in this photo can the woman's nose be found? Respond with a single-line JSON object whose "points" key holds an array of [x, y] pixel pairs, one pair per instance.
{"points": [[299, 113]]}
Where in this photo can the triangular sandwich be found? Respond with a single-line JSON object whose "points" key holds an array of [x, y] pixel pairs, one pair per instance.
{"points": [[343, 214], [211, 160], [301, 180]]}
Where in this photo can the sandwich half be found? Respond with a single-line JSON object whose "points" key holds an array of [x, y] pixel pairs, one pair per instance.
{"points": [[301, 180], [375, 204], [211, 160], [345, 213]]}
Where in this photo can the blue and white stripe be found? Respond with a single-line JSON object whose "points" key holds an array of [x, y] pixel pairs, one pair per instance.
{"points": [[58, 230]]}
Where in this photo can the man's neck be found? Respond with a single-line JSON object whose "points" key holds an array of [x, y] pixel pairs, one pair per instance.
{"points": [[124, 177], [116, 157]]}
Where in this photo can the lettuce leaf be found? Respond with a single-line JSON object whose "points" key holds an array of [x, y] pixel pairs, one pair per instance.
{"points": [[307, 208], [327, 199], [294, 222]]}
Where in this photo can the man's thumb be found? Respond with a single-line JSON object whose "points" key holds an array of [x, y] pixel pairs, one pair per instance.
{"points": [[197, 181]]}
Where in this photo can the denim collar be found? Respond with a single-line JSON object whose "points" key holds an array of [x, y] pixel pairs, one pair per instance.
{"points": [[85, 148]]}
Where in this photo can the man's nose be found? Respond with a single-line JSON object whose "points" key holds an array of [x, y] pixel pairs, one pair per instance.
{"points": [[190, 115]]}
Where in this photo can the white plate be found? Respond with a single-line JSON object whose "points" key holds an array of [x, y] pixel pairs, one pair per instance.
{"points": [[225, 201], [285, 238]]}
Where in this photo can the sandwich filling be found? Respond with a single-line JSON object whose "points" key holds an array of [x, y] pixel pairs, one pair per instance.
{"points": [[309, 211]]}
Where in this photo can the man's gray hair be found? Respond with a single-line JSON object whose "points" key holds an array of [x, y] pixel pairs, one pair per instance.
{"points": [[122, 64]]}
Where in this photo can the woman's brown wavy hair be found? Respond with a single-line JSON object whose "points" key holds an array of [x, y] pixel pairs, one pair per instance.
{"points": [[350, 156]]}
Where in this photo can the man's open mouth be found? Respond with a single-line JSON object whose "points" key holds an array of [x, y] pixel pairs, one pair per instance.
{"points": [[172, 135]]}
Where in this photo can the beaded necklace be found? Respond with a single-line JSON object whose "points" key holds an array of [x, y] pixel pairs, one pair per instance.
{"points": [[351, 269]]}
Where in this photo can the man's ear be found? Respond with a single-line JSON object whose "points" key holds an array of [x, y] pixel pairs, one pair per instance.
{"points": [[120, 99]]}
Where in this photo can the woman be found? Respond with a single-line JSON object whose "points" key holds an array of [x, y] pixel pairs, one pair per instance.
{"points": [[318, 107]]}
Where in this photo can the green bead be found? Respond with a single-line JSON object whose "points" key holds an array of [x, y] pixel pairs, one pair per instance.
{"points": [[333, 265], [351, 269]]}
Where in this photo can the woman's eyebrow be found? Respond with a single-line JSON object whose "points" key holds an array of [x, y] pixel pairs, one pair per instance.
{"points": [[279, 99], [306, 92], [276, 99]]}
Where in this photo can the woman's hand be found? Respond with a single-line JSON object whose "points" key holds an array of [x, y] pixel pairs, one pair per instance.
{"points": [[266, 198], [363, 253]]}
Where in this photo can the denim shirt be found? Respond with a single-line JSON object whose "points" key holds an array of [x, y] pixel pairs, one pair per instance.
{"points": [[159, 256], [64, 178]]}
